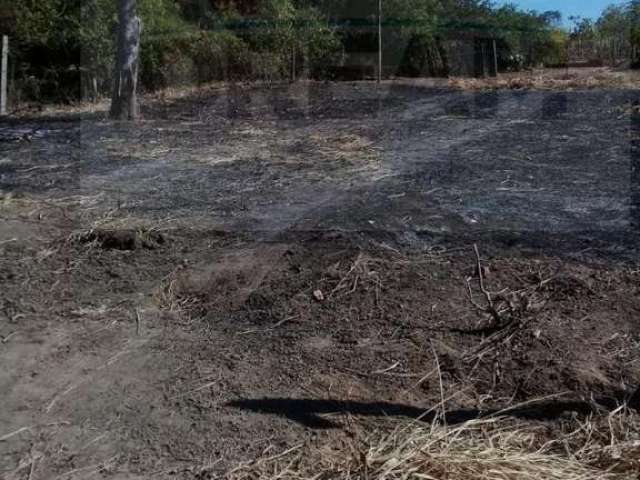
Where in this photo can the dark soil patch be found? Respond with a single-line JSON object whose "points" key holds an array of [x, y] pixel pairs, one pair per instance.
{"points": [[127, 239], [380, 308]]}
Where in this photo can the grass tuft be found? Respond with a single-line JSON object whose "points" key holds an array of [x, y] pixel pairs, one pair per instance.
{"points": [[603, 448]]}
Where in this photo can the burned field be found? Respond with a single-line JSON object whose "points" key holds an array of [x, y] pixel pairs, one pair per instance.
{"points": [[252, 267]]}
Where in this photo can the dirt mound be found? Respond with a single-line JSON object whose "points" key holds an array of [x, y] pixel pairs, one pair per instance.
{"points": [[526, 327], [228, 281]]}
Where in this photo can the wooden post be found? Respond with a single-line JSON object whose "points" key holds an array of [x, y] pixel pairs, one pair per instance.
{"points": [[293, 64], [477, 59], [379, 41], [3, 73], [495, 58]]}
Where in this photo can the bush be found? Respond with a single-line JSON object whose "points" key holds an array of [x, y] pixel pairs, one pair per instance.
{"points": [[163, 61], [262, 50], [321, 48], [62, 46], [285, 33], [193, 57], [221, 56], [424, 56]]}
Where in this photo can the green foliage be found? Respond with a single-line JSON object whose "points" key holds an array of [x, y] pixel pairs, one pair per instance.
{"points": [[423, 56], [415, 35], [96, 34], [633, 22], [194, 57], [290, 37], [531, 36], [61, 45], [49, 22], [319, 43], [47, 47], [615, 35], [275, 35]]}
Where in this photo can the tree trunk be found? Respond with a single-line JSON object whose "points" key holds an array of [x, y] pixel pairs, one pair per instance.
{"points": [[124, 103]]}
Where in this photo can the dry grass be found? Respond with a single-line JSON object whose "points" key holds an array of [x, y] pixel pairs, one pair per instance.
{"points": [[41, 207], [550, 79], [554, 80], [357, 151], [102, 104], [602, 448]]}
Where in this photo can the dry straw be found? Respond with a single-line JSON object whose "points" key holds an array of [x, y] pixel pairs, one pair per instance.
{"points": [[604, 448], [553, 80]]}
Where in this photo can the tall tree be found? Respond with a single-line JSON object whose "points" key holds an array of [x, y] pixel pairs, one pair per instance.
{"points": [[124, 102], [633, 19]]}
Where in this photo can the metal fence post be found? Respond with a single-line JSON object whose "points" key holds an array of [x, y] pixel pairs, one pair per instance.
{"points": [[379, 41]]}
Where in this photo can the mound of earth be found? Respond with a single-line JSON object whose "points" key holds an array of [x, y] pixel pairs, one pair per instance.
{"points": [[535, 326]]}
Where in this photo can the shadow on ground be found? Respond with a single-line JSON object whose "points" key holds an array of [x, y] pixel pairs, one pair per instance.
{"points": [[307, 411]]}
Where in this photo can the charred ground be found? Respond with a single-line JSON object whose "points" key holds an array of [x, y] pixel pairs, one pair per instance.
{"points": [[249, 265]]}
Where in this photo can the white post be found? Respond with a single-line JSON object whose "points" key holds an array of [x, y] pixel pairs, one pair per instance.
{"points": [[3, 75]]}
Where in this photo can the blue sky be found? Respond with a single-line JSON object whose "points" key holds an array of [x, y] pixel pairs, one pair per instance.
{"points": [[584, 8]]}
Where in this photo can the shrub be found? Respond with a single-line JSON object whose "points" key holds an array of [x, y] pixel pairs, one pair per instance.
{"points": [[221, 56], [424, 56]]}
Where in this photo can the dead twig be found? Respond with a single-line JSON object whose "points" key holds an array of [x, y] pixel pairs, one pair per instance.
{"points": [[507, 308], [490, 308], [138, 322], [29, 428], [6, 339], [275, 325], [388, 369], [442, 400], [361, 273], [344, 278], [32, 468], [491, 341], [8, 241], [14, 433]]}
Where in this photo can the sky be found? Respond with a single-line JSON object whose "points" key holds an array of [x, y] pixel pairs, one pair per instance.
{"points": [[583, 8]]}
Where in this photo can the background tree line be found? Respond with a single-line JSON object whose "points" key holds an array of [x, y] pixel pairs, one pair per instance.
{"points": [[64, 49], [615, 36]]}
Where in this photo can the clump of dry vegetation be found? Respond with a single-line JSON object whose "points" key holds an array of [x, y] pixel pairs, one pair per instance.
{"points": [[603, 447], [551, 80]]}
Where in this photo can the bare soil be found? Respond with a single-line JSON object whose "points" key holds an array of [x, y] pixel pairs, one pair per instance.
{"points": [[253, 266]]}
